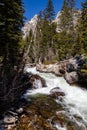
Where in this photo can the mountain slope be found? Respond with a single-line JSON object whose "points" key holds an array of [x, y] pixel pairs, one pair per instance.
{"points": [[31, 25]]}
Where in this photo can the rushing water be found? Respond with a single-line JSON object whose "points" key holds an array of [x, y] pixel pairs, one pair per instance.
{"points": [[75, 98]]}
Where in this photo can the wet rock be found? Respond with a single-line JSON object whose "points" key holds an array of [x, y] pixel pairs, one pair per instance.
{"points": [[37, 82], [82, 78], [11, 127], [33, 81], [56, 92], [46, 114], [20, 110], [80, 60], [9, 120], [71, 78], [40, 110], [70, 67], [12, 113]]}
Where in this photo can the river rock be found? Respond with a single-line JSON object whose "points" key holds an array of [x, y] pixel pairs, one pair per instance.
{"points": [[56, 92], [82, 78], [71, 78], [9, 120], [70, 67], [52, 68], [59, 68], [37, 82], [20, 110], [80, 60], [33, 81]]}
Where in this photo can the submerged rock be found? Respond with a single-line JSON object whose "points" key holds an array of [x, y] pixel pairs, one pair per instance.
{"points": [[41, 110], [56, 92], [44, 113]]}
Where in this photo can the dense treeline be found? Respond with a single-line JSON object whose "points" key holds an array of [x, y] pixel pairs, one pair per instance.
{"points": [[11, 22], [71, 40]]}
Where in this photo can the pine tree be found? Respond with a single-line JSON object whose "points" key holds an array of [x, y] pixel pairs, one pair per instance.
{"points": [[49, 11], [83, 26], [2, 27], [66, 17], [67, 26], [11, 22], [11, 35], [71, 3]]}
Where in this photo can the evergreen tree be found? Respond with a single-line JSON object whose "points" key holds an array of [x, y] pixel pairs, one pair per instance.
{"points": [[71, 3], [10, 37], [83, 27], [11, 22], [67, 26], [31, 47], [65, 17], [2, 27], [49, 11]]}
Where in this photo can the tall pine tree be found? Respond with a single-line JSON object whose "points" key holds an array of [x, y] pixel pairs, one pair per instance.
{"points": [[11, 22], [83, 27], [49, 11]]}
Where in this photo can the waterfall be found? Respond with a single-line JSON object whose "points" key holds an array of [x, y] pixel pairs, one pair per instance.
{"points": [[75, 99]]}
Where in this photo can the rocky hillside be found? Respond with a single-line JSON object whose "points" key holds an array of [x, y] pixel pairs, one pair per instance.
{"points": [[31, 25], [76, 16]]}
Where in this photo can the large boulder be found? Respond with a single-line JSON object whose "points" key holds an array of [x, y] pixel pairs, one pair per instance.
{"points": [[71, 78], [57, 69], [82, 78], [33, 81], [37, 82], [70, 67], [80, 60]]}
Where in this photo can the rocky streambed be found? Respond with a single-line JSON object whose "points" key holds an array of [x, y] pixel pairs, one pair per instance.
{"points": [[44, 113], [49, 103], [58, 106], [73, 70]]}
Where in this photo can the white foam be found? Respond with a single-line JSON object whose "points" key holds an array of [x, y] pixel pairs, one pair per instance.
{"points": [[75, 98]]}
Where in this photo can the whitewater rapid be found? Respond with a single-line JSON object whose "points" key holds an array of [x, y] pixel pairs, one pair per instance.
{"points": [[75, 98]]}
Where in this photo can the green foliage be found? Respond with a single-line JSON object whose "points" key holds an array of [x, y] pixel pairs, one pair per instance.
{"points": [[48, 44], [66, 17], [83, 27], [45, 28], [11, 21], [49, 12]]}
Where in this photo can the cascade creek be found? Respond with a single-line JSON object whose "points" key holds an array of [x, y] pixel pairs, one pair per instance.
{"points": [[74, 103]]}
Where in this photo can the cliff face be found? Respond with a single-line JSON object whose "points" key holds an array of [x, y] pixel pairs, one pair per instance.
{"points": [[76, 16], [31, 25], [40, 46]]}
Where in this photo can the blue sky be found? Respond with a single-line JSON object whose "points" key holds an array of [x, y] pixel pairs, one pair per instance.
{"points": [[33, 7]]}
